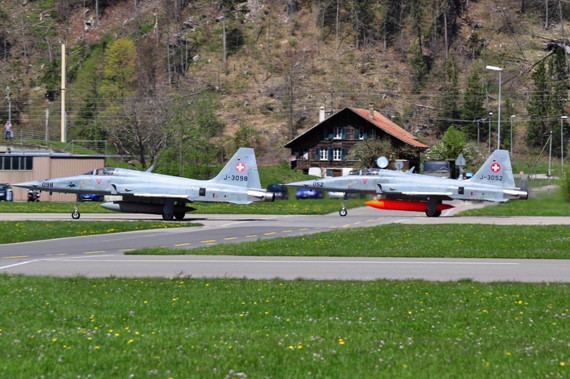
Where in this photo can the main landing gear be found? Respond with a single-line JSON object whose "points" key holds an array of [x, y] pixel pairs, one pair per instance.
{"points": [[431, 210], [343, 212], [172, 211]]}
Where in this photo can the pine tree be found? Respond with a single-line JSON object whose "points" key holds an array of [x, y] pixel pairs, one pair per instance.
{"points": [[473, 109], [548, 101], [449, 103], [538, 108], [559, 97]]}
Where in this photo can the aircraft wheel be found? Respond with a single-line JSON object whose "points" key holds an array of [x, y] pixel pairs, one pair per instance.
{"points": [[167, 216], [433, 214], [75, 215], [179, 216], [343, 212]]}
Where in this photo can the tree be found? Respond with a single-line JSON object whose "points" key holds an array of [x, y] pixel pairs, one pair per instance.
{"points": [[559, 97], [548, 101], [449, 103], [120, 68], [138, 131], [367, 152], [473, 106], [450, 145], [192, 132]]}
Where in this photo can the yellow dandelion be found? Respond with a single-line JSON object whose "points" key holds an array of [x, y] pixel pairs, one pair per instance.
{"points": [[131, 341], [562, 364]]}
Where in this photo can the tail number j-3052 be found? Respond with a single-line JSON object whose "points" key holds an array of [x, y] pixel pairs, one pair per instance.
{"points": [[498, 178]]}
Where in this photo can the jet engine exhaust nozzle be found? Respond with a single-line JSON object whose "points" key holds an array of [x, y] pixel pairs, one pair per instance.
{"points": [[253, 195]]}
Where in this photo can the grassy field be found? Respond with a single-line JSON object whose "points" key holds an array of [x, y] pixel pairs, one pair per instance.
{"points": [[21, 231], [546, 203], [231, 328], [397, 240]]}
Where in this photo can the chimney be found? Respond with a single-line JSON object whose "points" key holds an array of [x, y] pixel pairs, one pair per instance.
{"points": [[371, 110], [322, 114]]}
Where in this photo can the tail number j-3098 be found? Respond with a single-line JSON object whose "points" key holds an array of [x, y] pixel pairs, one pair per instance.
{"points": [[236, 178]]}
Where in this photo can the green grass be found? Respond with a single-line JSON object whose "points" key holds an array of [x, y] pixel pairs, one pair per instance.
{"points": [[21, 231], [398, 240], [551, 203], [229, 328], [281, 174]]}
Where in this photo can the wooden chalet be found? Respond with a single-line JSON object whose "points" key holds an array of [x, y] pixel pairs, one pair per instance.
{"points": [[323, 149]]}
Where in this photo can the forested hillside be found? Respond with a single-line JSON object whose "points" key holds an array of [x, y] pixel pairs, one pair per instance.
{"points": [[181, 81]]}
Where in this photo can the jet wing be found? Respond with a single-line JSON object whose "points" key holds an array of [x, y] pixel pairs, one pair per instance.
{"points": [[427, 193], [160, 195]]}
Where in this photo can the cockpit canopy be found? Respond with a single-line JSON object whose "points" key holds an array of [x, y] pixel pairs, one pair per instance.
{"points": [[101, 171], [366, 171]]}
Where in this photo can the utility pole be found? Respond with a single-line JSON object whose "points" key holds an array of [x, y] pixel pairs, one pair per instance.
{"points": [[489, 137], [512, 116], [63, 136], [550, 155], [562, 118]]}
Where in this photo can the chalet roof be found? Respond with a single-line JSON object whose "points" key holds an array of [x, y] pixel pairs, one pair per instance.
{"points": [[379, 121]]}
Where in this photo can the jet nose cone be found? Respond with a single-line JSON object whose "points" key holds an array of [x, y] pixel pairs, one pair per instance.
{"points": [[32, 184]]}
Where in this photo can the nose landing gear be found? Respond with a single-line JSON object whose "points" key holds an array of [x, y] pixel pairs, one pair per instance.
{"points": [[343, 212]]}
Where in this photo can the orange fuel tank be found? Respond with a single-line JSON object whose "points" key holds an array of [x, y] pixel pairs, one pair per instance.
{"points": [[405, 205]]}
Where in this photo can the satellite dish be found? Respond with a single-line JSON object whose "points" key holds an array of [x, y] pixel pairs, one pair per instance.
{"points": [[399, 165], [382, 162]]}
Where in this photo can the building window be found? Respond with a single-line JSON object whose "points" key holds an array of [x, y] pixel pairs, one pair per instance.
{"points": [[16, 163], [337, 133], [337, 154], [302, 154], [324, 155]]}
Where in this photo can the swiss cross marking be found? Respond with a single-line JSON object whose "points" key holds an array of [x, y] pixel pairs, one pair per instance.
{"points": [[240, 167], [495, 167]]}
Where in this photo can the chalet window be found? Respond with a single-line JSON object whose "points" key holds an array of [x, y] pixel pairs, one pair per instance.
{"points": [[324, 154], [301, 154], [359, 134], [336, 154], [339, 132], [339, 154]]}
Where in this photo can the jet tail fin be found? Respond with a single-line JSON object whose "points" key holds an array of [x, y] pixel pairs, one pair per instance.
{"points": [[241, 170], [496, 170]]}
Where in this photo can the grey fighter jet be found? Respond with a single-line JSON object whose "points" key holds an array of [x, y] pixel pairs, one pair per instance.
{"points": [[146, 192], [421, 193]]}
